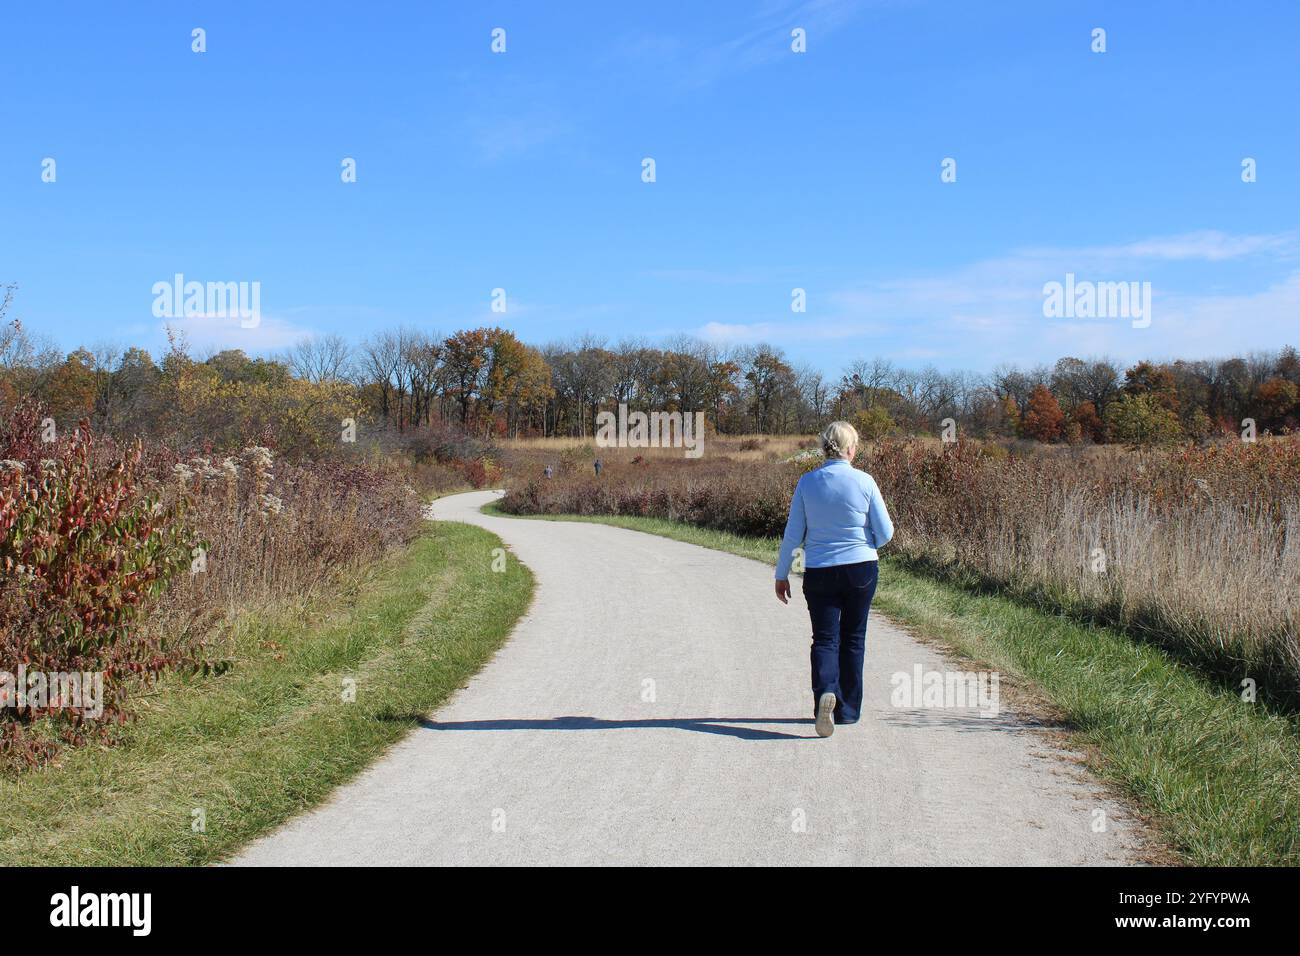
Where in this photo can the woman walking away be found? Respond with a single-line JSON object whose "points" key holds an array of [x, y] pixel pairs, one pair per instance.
{"points": [[840, 518]]}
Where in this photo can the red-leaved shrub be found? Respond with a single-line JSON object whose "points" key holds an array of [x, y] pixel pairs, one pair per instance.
{"points": [[85, 552]]}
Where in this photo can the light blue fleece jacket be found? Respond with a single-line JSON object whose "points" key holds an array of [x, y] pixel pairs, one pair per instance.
{"points": [[839, 517]]}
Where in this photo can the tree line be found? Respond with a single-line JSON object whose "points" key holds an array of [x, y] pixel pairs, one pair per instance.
{"points": [[488, 382]]}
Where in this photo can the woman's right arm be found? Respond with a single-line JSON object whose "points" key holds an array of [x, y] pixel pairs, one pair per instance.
{"points": [[796, 526]]}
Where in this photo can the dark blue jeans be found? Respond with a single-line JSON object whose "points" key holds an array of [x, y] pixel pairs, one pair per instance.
{"points": [[839, 599]]}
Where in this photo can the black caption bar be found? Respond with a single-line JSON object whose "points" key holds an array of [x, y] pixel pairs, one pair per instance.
{"points": [[140, 907]]}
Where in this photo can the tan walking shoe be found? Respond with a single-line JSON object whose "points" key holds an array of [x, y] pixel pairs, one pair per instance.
{"points": [[826, 714]]}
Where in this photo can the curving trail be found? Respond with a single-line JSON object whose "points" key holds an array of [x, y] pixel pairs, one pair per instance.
{"points": [[553, 754]]}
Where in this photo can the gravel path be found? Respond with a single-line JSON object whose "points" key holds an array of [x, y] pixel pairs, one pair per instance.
{"points": [[652, 707]]}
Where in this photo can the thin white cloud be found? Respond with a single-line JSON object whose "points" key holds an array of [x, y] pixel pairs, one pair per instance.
{"points": [[709, 276], [992, 310], [765, 40], [206, 333], [737, 333], [1205, 246], [503, 136]]}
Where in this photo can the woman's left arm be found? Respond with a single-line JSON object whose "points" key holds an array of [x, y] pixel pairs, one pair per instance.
{"points": [[880, 527]]}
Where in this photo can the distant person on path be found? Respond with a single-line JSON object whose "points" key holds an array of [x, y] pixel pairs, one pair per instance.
{"points": [[840, 519], [598, 467], [547, 471]]}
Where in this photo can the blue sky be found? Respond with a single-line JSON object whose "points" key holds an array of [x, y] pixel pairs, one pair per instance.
{"points": [[775, 170]]}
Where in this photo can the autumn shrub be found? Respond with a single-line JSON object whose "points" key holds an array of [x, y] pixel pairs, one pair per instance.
{"points": [[437, 477], [443, 457], [86, 551], [444, 443], [874, 423], [481, 472], [1142, 420], [125, 559], [712, 493]]}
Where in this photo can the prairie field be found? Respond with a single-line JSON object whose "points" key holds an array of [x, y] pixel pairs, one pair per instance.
{"points": [[734, 447], [1194, 549]]}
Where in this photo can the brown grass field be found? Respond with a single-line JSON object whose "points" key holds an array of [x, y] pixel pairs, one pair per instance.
{"points": [[1195, 549]]}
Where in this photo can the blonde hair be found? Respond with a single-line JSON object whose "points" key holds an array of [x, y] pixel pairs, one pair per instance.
{"points": [[838, 438]]}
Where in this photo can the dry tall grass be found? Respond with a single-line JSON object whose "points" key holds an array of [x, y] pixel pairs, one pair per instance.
{"points": [[1219, 579], [275, 530], [1196, 549], [733, 447]]}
